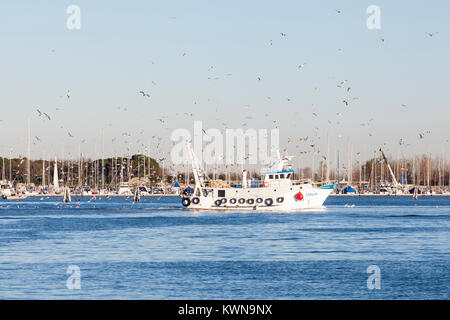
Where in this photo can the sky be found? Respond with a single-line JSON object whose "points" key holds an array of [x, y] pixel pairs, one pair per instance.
{"points": [[205, 58]]}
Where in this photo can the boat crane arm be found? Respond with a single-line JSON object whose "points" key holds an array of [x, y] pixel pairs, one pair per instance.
{"points": [[396, 184], [197, 169]]}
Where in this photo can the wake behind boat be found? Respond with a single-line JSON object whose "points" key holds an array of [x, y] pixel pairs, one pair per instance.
{"points": [[277, 192]]}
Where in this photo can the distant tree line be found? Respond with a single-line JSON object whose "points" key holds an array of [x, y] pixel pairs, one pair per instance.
{"points": [[84, 171]]}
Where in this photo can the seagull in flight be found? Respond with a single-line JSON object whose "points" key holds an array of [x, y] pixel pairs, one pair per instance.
{"points": [[144, 94]]}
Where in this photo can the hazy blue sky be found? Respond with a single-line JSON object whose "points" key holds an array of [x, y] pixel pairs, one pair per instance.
{"points": [[125, 46]]}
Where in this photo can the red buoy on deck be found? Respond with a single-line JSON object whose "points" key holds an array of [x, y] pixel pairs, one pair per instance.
{"points": [[299, 196]]}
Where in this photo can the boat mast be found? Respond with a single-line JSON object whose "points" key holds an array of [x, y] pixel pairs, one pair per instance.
{"points": [[10, 167], [28, 153], [350, 173], [103, 159], [80, 170], [338, 167], [62, 166], [327, 177], [55, 176], [43, 171], [299, 167]]}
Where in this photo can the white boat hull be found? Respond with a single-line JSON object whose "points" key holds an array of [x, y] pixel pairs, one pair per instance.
{"points": [[283, 199]]}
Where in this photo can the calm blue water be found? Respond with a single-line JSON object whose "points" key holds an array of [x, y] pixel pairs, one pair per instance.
{"points": [[156, 250]]}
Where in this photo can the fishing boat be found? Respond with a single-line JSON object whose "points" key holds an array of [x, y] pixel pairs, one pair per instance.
{"points": [[276, 192]]}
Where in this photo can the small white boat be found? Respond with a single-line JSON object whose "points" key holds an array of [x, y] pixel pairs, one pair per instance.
{"points": [[8, 192], [124, 190], [86, 191], [277, 192], [6, 189]]}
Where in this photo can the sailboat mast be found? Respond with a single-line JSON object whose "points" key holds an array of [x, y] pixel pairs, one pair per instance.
{"points": [[103, 159], [43, 171], [328, 159], [28, 152], [79, 165], [300, 176], [10, 166]]}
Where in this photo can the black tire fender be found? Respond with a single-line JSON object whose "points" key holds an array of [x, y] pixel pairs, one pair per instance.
{"points": [[186, 202]]}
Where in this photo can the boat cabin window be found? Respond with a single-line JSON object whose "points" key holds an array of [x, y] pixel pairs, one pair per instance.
{"points": [[288, 176], [270, 176], [276, 176], [282, 176], [221, 193]]}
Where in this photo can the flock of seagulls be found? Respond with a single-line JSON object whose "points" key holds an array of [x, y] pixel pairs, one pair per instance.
{"points": [[304, 145]]}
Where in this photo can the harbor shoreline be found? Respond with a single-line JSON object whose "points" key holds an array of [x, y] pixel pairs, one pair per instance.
{"points": [[177, 195]]}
